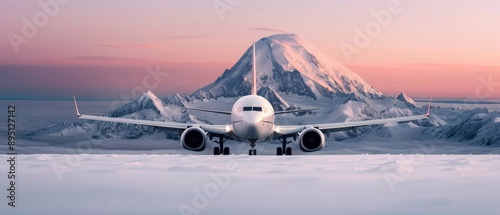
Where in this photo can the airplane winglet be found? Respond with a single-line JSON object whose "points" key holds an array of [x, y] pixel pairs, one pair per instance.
{"points": [[428, 114], [76, 107]]}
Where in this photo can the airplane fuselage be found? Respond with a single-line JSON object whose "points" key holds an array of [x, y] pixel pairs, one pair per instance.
{"points": [[252, 118]]}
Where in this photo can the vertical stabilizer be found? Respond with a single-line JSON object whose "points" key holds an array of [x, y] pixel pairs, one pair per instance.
{"points": [[254, 73]]}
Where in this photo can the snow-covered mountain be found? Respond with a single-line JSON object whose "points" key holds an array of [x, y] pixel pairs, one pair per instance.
{"points": [[288, 64], [147, 107], [479, 127], [407, 100], [274, 98], [293, 74]]}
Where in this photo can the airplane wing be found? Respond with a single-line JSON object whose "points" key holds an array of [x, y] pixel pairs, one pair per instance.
{"points": [[349, 125], [214, 129], [342, 126]]}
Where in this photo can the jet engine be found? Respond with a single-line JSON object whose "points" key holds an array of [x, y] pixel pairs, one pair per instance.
{"points": [[311, 140], [194, 139]]}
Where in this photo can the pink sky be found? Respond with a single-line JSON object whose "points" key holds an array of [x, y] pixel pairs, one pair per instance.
{"points": [[443, 48]]}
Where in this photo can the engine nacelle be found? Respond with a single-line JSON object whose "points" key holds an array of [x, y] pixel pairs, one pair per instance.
{"points": [[194, 139], [311, 140]]}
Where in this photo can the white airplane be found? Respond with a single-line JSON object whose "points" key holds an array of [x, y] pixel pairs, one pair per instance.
{"points": [[252, 121]]}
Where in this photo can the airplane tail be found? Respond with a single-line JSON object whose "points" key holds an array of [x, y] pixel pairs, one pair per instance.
{"points": [[254, 73]]}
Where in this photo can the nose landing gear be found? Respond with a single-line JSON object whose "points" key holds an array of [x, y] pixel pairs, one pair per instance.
{"points": [[252, 151]]}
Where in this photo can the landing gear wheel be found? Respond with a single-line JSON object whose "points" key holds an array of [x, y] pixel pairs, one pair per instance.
{"points": [[284, 150], [254, 152], [221, 149], [250, 152]]}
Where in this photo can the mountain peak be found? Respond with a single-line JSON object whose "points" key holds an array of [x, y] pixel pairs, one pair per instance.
{"points": [[407, 100], [147, 100], [289, 64], [284, 37]]}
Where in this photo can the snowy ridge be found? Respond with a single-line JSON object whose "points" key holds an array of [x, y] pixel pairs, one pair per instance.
{"points": [[289, 64], [294, 53], [65, 128], [147, 107], [276, 100], [158, 104], [177, 99], [477, 126], [407, 100], [146, 101], [294, 75], [480, 129]]}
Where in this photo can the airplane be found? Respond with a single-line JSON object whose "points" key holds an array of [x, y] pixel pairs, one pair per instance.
{"points": [[252, 121]]}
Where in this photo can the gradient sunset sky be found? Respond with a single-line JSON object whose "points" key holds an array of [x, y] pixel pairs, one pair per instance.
{"points": [[100, 48]]}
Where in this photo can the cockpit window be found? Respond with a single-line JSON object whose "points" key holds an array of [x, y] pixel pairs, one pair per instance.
{"points": [[252, 109]]}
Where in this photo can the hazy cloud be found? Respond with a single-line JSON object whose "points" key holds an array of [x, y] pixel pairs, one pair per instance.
{"points": [[269, 29], [105, 58], [185, 37], [98, 58], [111, 60], [124, 45]]}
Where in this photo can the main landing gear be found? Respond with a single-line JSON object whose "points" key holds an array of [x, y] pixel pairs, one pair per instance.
{"points": [[221, 149], [284, 150], [252, 151]]}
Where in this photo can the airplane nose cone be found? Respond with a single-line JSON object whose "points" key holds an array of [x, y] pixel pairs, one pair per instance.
{"points": [[253, 133], [251, 126]]}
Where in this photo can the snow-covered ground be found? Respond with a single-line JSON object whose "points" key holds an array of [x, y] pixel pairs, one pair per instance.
{"points": [[154, 175], [240, 184]]}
